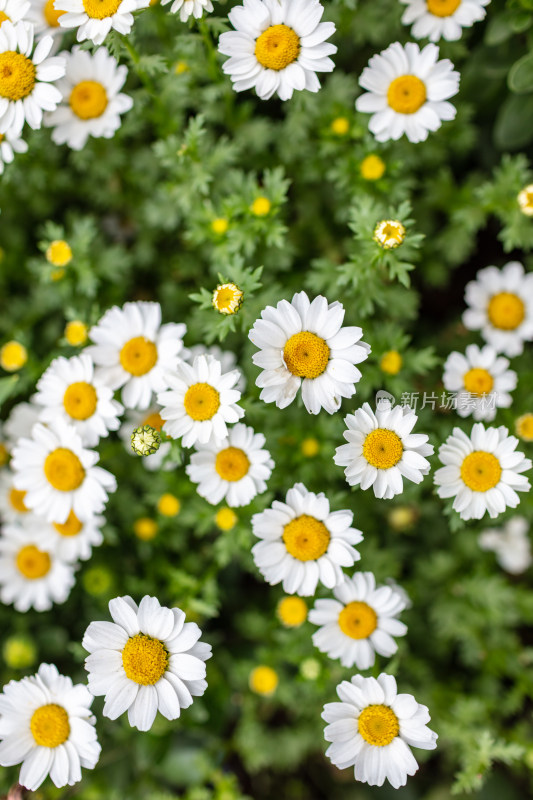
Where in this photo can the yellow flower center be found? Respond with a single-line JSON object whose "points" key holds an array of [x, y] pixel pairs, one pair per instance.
{"points": [[406, 94], [138, 356], [16, 500], [17, 75], [168, 505], [50, 726], [358, 620], [310, 447], [201, 401], [306, 355], [443, 8], [340, 126], [378, 725], [525, 200], [100, 9], [80, 400], [145, 528], [232, 464], [63, 470], [391, 362], [306, 538], [227, 299], [382, 448], [264, 680], [32, 562], [478, 381], [76, 332], [524, 427], [71, 527], [51, 15], [226, 519], [389, 233], [481, 471], [59, 252], [372, 168], [13, 356], [292, 611], [277, 47], [154, 421], [88, 100], [4, 17], [506, 311], [145, 660], [220, 225], [261, 206]]}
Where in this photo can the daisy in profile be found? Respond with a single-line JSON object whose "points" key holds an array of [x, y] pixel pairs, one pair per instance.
{"points": [[95, 18], [9, 145], [482, 472], [302, 344], [277, 47], [69, 391], [45, 18], [511, 545], [47, 726], [360, 622], [12, 505], [92, 101], [13, 11], [147, 660], [407, 92], [304, 542], [382, 450], [70, 540], [135, 351], [189, 8], [138, 419], [501, 307], [442, 19], [31, 576], [235, 469], [201, 402], [482, 381], [372, 729], [59, 475], [26, 78]]}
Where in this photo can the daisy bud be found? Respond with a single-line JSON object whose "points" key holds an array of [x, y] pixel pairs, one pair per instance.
{"points": [[227, 298], [525, 200], [145, 440], [389, 233]]}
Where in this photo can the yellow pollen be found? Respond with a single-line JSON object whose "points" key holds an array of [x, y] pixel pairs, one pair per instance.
{"points": [[478, 381], [201, 401], [51, 15], [80, 400], [277, 47], [145, 529], [76, 332], [524, 427], [525, 201], [292, 611], [145, 660], [391, 362], [16, 500], [220, 225], [406, 94], [306, 355], [32, 562], [168, 505], [138, 356], [4, 17], [88, 100], [227, 298], [340, 126], [226, 519], [389, 233], [506, 311], [100, 9], [310, 447], [59, 253], [306, 538], [71, 527], [382, 448], [481, 471], [13, 356], [232, 464], [442, 8], [63, 470], [378, 725], [49, 725], [358, 620], [372, 168], [261, 206], [17, 75], [264, 680], [154, 421]]}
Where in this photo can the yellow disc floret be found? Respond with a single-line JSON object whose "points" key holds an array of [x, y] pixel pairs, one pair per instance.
{"points": [[32, 562], [220, 225], [16, 500], [292, 611], [378, 725], [227, 298], [382, 448], [17, 75], [340, 126], [524, 427], [261, 206], [145, 528], [478, 381], [145, 660], [51, 15], [226, 519], [80, 400], [264, 680], [88, 100], [306, 538], [310, 447], [154, 420], [13, 356], [49, 725], [4, 17], [358, 620], [406, 94], [306, 355], [481, 471], [232, 464], [389, 233], [71, 527], [372, 168], [277, 47], [168, 505], [76, 332], [506, 311], [63, 470], [201, 401], [443, 8], [59, 253], [100, 9], [138, 356], [391, 362], [525, 200]]}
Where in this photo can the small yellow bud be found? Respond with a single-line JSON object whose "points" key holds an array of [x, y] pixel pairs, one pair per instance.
{"points": [[145, 528], [13, 356], [389, 233], [19, 652], [220, 225], [145, 440], [227, 298], [97, 581], [168, 505], [310, 447], [525, 200], [226, 519], [76, 332], [59, 253], [261, 206], [263, 680], [340, 126], [391, 362], [401, 518], [372, 168], [524, 427], [310, 669], [181, 67], [292, 611]]}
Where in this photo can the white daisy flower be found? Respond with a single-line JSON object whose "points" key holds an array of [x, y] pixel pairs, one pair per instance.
{"points": [[303, 344], [372, 727], [70, 540], [189, 7], [137, 419], [70, 391], [442, 19], [148, 660], [481, 380], [510, 543], [482, 473], [9, 145], [304, 542], [381, 449], [95, 18], [134, 350], [201, 402], [235, 469], [59, 475], [45, 18], [227, 358], [20, 421], [47, 726], [92, 102], [407, 92], [13, 11], [360, 622], [26, 77], [31, 576], [12, 505], [501, 307], [277, 46]]}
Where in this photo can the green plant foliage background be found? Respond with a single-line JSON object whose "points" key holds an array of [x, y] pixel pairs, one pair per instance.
{"points": [[137, 211]]}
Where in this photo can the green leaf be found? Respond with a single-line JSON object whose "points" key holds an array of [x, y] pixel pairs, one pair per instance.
{"points": [[520, 78], [514, 126], [7, 387]]}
